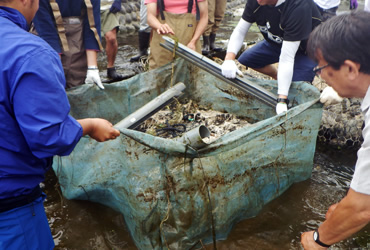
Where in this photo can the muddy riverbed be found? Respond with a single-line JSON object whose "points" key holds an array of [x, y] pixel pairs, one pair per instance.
{"points": [[86, 225]]}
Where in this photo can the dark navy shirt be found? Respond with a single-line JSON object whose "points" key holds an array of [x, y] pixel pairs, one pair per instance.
{"points": [[292, 20], [46, 28], [34, 110]]}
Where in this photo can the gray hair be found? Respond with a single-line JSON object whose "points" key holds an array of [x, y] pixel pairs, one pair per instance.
{"points": [[343, 37]]}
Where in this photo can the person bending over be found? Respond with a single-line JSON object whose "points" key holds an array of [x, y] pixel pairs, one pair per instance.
{"points": [[285, 26], [341, 48]]}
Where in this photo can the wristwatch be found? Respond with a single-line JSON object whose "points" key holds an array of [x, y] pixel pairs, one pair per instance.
{"points": [[317, 239], [283, 100]]}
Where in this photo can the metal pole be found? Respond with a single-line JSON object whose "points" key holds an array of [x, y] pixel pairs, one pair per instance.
{"points": [[215, 69], [135, 119]]}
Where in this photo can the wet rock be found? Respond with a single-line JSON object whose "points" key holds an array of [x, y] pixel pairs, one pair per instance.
{"points": [[128, 18], [128, 8], [133, 16], [137, 5], [123, 10], [122, 20], [136, 25], [122, 29], [130, 28], [342, 125], [133, 7]]}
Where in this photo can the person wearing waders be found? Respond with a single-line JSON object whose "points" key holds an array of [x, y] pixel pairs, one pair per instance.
{"points": [[185, 21], [345, 67], [35, 125], [216, 12], [72, 28], [285, 26], [144, 34]]}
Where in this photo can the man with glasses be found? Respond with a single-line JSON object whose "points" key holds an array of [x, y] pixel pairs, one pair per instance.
{"points": [[328, 96], [341, 48], [285, 26]]}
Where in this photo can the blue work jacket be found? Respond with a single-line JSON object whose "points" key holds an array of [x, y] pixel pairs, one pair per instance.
{"points": [[34, 110]]}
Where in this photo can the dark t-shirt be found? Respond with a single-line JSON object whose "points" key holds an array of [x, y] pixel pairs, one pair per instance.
{"points": [[292, 20]]}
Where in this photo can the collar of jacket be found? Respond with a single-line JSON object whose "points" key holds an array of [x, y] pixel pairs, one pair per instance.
{"points": [[14, 16], [279, 2]]}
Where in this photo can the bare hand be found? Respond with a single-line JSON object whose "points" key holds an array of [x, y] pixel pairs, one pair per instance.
{"points": [[164, 29], [308, 242], [191, 45], [99, 129]]}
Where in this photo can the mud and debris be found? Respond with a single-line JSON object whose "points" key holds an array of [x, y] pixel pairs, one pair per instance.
{"points": [[183, 115]]}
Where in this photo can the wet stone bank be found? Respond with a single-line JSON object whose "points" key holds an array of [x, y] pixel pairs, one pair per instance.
{"points": [[342, 123]]}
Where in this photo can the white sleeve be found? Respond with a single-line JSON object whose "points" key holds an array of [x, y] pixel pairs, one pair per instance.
{"points": [[286, 66], [367, 5], [361, 181], [238, 35]]}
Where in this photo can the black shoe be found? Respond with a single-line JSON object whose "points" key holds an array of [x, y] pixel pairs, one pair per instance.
{"points": [[144, 39], [212, 46], [113, 76], [205, 47], [138, 57]]}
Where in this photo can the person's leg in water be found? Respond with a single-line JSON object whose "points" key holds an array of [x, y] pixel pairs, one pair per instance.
{"points": [[219, 13], [144, 34], [111, 48]]}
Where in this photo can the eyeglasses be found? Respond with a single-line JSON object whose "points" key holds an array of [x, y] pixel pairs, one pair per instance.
{"points": [[317, 70]]}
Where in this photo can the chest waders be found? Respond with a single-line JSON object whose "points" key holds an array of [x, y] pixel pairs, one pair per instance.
{"points": [[70, 31], [183, 25]]}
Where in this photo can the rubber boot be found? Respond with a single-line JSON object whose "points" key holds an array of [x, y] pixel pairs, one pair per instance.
{"points": [[112, 75], [212, 46], [144, 39], [205, 48]]}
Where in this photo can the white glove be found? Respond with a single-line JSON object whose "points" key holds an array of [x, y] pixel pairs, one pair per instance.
{"points": [[229, 69], [330, 96], [93, 76], [281, 107]]}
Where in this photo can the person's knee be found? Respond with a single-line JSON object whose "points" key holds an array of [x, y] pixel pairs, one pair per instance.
{"points": [[306, 76], [110, 37]]}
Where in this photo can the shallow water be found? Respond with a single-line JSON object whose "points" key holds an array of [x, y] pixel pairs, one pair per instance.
{"points": [[301, 208], [87, 225]]}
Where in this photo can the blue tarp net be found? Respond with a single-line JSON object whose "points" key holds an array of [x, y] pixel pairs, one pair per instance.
{"points": [[171, 195]]}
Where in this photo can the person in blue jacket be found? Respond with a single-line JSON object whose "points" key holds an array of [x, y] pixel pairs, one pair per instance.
{"points": [[35, 125]]}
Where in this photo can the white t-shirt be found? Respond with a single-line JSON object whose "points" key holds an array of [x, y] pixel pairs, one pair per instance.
{"points": [[361, 178], [367, 5], [327, 4], [105, 4]]}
